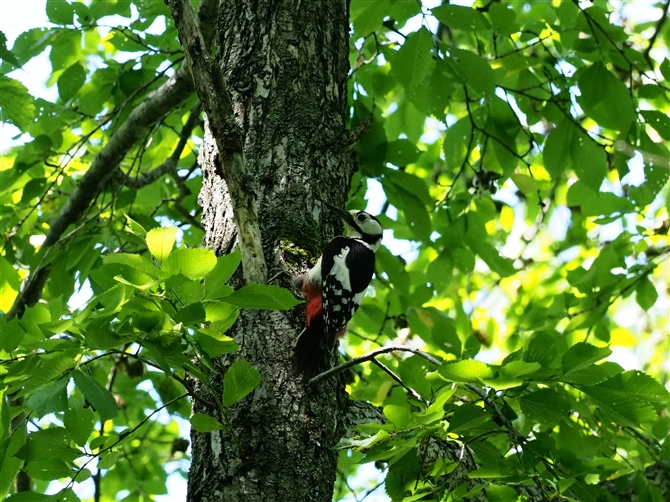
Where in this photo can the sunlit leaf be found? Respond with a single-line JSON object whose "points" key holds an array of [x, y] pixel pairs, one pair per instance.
{"points": [[160, 241]]}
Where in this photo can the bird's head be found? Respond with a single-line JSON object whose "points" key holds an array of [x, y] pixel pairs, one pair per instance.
{"points": [[360, 225]]}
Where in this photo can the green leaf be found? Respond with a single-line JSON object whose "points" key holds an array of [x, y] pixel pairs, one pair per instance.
{"points": [[48, 443], [135, 227], [5, 54], [160, 242], [71, 81], [49, 399], [414, 61], [12, 333], [461, 18], [640, 385], [10, 464], [594, 203], [51, 366], [362, 443], [401, 153], [556, 153], [99, 397], [469, 419], [66, 49], [394, 267], [515, 369], [402, 475], [262, 297], [367, 15], [59, 12], [220, 315], [456, 143], [658, 121], [4, 418], [589, 160], [204, 423], [526, 184], [591, 375], [599, 89], [191, 314], [79, 422], [413, 209], [622, 408], [108, 459], [48, 469], [475, 71], [215, 346], [498, 493], [581, 355], [502, 18], [240, 379], [413, 371], [138, 262], [645, 293], [29, 497], [665, 69], [192, 263], [16, 104], [215, 281], [545, 405], [467, 371]]}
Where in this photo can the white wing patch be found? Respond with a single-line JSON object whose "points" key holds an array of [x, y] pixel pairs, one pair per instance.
{"points": [[340, 270]]}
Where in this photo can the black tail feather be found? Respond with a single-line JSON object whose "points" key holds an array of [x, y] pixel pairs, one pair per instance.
{"points": [[310, 351]]}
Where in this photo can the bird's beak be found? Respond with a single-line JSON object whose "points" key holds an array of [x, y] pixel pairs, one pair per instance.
{"points": [[348, 219]]}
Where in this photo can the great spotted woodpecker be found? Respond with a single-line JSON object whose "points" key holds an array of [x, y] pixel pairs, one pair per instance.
{"points": [[335, 287]]}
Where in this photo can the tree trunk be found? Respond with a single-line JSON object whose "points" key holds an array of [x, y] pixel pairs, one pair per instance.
{"points": [[285, 64]]}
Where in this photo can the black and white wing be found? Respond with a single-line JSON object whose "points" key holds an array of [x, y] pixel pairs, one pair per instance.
{"points": [[347, 268]]}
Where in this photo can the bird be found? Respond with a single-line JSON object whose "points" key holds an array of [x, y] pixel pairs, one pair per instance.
{"points": [[335, 287]]}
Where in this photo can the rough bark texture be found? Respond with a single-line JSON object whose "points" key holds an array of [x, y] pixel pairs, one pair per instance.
{"points": [[285, 64]]}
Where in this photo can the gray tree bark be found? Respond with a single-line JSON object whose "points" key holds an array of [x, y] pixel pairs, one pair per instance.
{"points": [[285, 65]]}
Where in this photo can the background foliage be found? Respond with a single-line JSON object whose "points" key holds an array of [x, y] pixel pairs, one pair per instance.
{"points": [[519, 153]]}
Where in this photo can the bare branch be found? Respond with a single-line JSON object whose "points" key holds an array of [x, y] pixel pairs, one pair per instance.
{"points": [[369, 357], [229, 138]]}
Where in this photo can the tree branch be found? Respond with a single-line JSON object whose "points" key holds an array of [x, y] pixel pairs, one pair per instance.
{"points": [[216, 102], [515, 435], [657, 32], [170, 163], [397, 379], [369, 357], [163, 100]]}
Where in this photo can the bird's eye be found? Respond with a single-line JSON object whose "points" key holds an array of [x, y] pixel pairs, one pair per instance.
{"points": [[361, 217]]}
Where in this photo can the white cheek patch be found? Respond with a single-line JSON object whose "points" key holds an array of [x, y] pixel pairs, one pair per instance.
{"points": [[340, 270]]}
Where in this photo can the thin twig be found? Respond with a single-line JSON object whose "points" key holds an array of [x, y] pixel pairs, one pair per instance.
{"points": [[657, 31], [395, 377], [124, 435], [368, 357], [515, 435]]}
